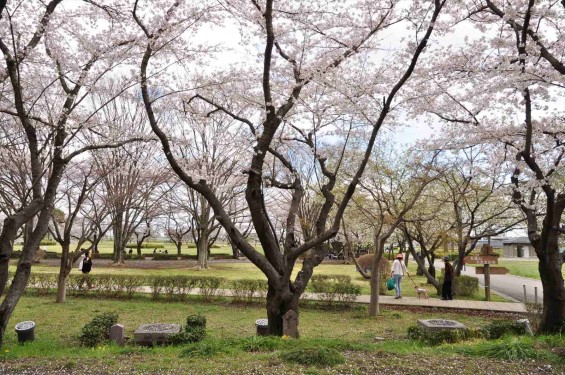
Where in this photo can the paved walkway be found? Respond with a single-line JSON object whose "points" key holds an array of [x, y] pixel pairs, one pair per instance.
{"points": [[512, 307]]}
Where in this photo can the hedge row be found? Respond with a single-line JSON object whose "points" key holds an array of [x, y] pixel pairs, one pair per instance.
{"points": [[176, 288]]}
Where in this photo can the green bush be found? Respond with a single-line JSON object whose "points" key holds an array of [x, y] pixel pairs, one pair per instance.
{"points": [[173, 287], [498, 328], [244, 290], [437, 337], [464, 286], [332, 288], [51, 255], [48, 243], [320, 357], [43, 283], [209, 286], [332, 278], [98, 330]]}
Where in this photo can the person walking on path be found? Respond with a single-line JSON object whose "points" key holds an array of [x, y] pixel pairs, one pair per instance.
{"points": [[447, 280], [398, 270]]}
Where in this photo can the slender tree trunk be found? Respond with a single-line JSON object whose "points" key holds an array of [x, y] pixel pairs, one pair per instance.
{"points": [[179, 247], [118, 238], [203, 249], [63, 273], [375, 278]]}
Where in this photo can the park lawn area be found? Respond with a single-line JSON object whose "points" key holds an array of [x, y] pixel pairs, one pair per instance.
{"points": [[246, 270], [524, 268], [107, 247], [230, 331]]}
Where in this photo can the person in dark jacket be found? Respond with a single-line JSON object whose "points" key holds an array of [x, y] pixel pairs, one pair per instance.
{"points": [[447, 280], [86, 268]]}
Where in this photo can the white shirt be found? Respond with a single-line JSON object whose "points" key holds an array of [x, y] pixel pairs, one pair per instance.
{"points": [[398, 267]]}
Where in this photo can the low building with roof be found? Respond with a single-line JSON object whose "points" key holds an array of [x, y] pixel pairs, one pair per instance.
{"points": [[518, 247]]}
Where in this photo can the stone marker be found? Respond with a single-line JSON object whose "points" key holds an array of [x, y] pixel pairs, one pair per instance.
{"points": [[157, 333], [290, 324], [527, 326], [117, 334], [440, 324]]}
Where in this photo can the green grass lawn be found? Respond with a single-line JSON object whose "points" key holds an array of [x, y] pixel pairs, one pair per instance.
{"points": [[350, 331]]}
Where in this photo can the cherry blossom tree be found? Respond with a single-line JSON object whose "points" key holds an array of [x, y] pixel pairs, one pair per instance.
{"points": [[77, 184], [310, 51], [52, 62], [506, 90]]}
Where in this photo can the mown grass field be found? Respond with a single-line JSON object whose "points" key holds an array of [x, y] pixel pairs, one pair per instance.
{"points": [[230, 329]]}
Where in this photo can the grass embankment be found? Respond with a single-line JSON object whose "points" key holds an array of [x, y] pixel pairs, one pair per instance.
{"points": [[231, 348]]}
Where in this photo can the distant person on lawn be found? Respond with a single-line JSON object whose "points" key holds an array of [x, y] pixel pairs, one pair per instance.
{"points": [[398, 270], [86, 268], [448, 274]]}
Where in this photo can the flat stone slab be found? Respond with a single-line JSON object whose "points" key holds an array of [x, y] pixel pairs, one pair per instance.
{"points": [[156, 333], [440, 324]]}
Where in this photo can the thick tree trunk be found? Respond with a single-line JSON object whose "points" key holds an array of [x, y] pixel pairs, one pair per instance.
{"points": [[23, 270], [553, 319], [179, 247], [279, 302]]}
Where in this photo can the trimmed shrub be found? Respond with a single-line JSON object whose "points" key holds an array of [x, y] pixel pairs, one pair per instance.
{"points": [[43, 283], [209, 286], [162, 256], [98, 330], [51, 255], [48, 243], [437, 337], [126, 285], [320, 357], [498, 328], [332, 288], [245, 290], [463, 285]]}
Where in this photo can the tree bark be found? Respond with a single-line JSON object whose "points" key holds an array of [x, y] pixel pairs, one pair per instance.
{"points": [[203, 249], [279, 302], [550, 262], [374, 308]]}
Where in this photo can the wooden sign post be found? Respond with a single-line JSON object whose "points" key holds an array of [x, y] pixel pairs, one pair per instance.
{"points": [[486, 259]]}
